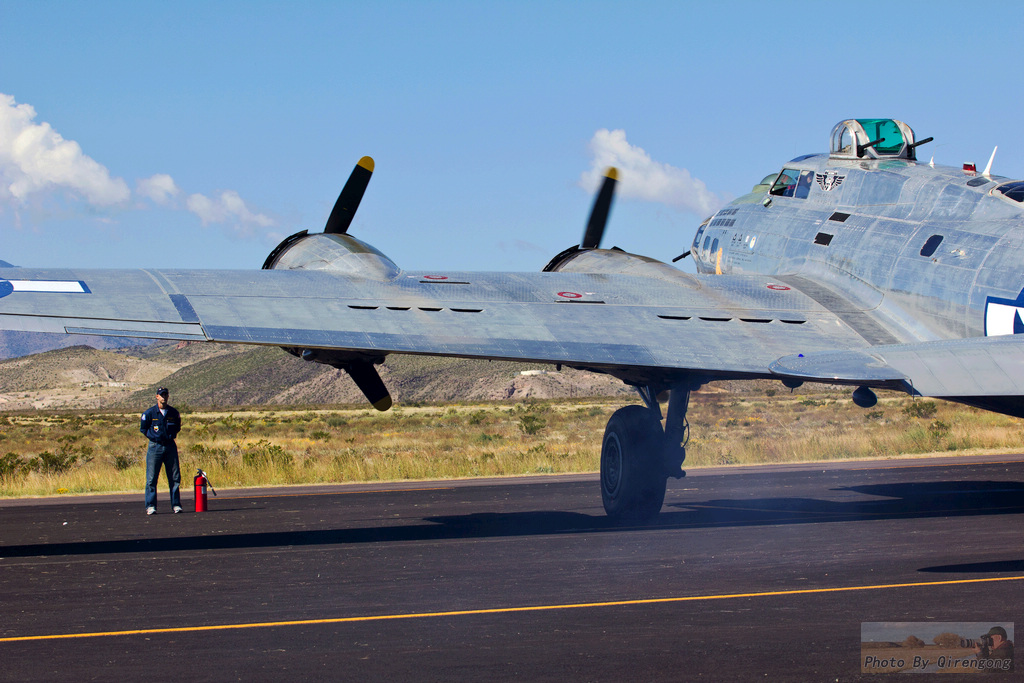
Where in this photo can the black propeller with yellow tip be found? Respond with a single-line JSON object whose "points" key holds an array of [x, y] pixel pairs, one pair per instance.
{"points": [[348, 201], [594, 231], [599, 214]]}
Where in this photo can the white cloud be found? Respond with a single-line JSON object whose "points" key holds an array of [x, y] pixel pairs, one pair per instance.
{"points": [[640, 177], [35, 158], [228, 208], [159, 188]]}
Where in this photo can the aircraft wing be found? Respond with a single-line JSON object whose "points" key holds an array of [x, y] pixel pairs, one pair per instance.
{"points": [[638, 328], [953, 368]]}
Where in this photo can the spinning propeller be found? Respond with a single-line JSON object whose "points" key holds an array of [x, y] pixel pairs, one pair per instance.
{"points": [[599, 214], [595, 225]]}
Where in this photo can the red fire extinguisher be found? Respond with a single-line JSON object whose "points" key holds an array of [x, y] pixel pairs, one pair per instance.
{"points": [[201, 481]]}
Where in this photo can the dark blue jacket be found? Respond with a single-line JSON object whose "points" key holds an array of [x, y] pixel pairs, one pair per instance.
{"points": [[160, 428]]}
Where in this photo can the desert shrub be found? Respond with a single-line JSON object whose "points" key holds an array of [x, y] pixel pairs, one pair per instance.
{"points": [[263, 453], [925, 409], [939, 429], [63, 458], [11, 465], [201, 452], [320, 435], [53, 463], [126, 459], [336, 421], [530, 418]]}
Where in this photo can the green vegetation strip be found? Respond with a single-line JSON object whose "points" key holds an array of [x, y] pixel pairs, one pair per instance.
{"points": [[45, 454]]}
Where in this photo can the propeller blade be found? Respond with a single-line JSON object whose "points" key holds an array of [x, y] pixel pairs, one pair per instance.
{"points": [[599, 214], [369, 382], [348, 201]]}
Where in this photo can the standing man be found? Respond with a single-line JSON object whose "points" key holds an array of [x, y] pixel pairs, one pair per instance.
{"points": [[160, 424]]}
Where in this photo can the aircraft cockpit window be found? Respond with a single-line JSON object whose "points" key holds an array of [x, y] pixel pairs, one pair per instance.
{"points": [[700, 233], [1014, 190], [785, 184], [793, 183]]}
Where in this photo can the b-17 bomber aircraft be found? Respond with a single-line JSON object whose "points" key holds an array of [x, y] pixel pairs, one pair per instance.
{"points": [[862, 267]]}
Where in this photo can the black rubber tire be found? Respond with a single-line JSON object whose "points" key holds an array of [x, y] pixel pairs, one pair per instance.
{"points": [[633, 478]]}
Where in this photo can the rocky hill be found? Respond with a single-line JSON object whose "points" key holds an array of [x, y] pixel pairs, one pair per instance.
{"points": [[222, 375], [16, 344]]}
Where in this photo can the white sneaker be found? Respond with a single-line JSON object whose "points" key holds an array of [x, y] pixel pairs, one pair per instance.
{"points": [[177, 509], [151, 511]]}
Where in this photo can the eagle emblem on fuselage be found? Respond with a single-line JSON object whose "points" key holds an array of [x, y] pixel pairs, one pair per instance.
{"points": [[829, 180]]}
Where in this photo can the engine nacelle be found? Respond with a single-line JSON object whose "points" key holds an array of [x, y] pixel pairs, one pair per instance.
{"points": [[335, 252], [581, 260]]}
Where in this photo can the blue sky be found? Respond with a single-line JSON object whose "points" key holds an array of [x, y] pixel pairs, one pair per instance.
{"points": [[198, 134]]}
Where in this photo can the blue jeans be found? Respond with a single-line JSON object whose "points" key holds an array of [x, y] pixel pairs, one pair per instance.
{"points": [[167, 455]]}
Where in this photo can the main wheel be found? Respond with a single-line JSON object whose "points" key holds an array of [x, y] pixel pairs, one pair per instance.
{"points": [[633, 475]]}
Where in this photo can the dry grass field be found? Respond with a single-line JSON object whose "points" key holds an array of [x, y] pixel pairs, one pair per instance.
{"points": [[44, 453]]}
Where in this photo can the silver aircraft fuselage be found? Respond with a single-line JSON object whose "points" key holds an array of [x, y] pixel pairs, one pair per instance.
{"points": [[926, 248]]}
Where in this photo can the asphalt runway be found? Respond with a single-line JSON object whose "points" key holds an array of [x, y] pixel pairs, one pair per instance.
{"points": [[749, 574]]}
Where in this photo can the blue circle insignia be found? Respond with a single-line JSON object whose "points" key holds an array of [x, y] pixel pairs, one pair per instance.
{"points": [[5, 288]]}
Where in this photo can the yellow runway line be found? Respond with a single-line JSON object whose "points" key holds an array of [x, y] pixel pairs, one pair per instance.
{"points": [[501, 610]]}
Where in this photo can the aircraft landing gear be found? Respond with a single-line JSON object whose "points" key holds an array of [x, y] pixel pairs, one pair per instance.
{"points": [[638, 456], [632, 477]]}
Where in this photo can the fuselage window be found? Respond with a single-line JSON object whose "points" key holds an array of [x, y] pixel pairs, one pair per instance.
{"points": [[714, 246], [793, 183], [1014, 190], [931, 245]]}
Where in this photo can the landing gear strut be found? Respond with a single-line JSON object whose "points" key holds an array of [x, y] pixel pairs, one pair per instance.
{"points": [[638, 456]]}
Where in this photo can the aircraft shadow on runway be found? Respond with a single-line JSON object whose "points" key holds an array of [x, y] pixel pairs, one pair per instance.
{"points": [[900, 501]]}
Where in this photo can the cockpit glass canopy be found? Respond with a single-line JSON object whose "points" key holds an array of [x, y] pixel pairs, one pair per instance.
{"points": [[1014, 190], [853, 138], [885, 130]]}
